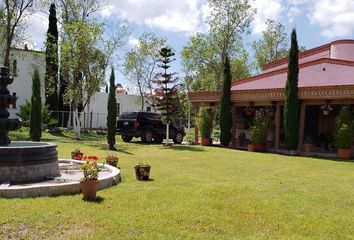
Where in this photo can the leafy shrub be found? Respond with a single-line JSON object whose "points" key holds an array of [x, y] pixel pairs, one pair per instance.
{"points": [[344, 128], [25, 112], [204, 123], [259, 127]]}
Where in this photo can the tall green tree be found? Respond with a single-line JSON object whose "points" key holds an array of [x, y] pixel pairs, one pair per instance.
{"points": [[36, 108], [272, 46], [201, 60], [225, 106], [291, 107], [141, 64], [206, 53], [166, 92], [51, 59], [112, 113]]}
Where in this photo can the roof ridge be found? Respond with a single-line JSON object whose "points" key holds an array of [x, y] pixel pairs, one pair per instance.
{"points": [[306, 53], [302, 65]]}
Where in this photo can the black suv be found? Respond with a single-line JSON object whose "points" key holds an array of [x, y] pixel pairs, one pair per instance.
{"points": [[148, 126]]}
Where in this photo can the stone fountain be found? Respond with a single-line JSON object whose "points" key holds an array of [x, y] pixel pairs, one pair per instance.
{"points": [[21, 162]]}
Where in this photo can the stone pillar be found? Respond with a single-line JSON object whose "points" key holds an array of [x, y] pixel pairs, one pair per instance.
{"points": [[301, 126], [196, 132], [233, 131], [277, 126]]}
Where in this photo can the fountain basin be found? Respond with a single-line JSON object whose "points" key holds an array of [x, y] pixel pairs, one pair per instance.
{"points": [[22, 161]]}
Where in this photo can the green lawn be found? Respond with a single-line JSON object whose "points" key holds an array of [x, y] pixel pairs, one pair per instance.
{"points": [[196, 193]]}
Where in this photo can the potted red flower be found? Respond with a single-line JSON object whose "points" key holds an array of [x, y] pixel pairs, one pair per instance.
{"points": [[89, 182], [76, 154]]}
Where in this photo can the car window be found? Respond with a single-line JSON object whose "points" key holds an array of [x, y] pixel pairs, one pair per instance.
{"points": [[128, 115]]}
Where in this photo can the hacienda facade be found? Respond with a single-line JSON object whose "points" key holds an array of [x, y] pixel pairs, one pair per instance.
{"points": [[326, 82]]}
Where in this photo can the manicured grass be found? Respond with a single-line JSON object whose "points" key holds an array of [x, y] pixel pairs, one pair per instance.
{"points": [[196, 193]]}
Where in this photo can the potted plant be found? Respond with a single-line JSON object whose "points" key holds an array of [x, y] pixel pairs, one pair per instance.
{"points": [[344, 133], [326, 109], [308, 143], [250, 146], [205, 125], [259, 130], [76, 154], [89, 182], [112, 160], [142, 171]]}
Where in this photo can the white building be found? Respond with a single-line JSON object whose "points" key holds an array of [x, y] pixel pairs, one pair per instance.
{"points": [[125, 103], [22, 65]]}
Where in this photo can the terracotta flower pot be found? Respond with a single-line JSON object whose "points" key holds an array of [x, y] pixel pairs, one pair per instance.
{"points": [[307, 147], [206, 141], [344, 153], [89, 189], [250, 147], [77, 155], [142, 172], [258, 146], [112, 160]]}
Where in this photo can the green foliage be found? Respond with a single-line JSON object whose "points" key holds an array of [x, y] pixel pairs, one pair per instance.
{"points": [[272, 46], [344, 128], [90, 170], [141, 63], [225, 107], [112, 113], [25, 112], [51, 59], [291, 106], [201, 58], [259, 127], [204, 122], [36, 108]]}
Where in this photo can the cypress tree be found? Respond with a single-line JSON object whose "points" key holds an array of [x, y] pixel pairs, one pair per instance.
{"points": [[112, 113], [291, 107], [225, 107], [51, 58], [36, 108]]}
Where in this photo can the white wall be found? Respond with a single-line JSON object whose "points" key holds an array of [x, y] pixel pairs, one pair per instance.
{"points": [[27, 61], [98, 106]]}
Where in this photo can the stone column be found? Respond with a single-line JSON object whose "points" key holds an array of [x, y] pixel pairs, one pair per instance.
{"points": [[196, 132], [277, 126], [301, 126], [233, 131]]}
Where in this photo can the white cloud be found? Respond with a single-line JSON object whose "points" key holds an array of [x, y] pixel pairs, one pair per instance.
{"points": [[271, 9], [37, 27], [133, 41], [335, 17], [293, 12], [176, 16]]}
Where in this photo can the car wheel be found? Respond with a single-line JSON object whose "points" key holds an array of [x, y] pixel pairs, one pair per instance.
{"points": [[178, 139], [158, 139], [147, 136], [126, 138]]}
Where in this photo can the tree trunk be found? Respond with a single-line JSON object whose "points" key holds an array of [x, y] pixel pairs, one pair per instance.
{"points": [[167, 133]]}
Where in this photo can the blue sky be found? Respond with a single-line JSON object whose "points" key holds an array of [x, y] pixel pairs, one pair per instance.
{"points": [[317, 21]]}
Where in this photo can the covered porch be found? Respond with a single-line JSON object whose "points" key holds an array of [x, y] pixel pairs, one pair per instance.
{"points": [[316, 123]]}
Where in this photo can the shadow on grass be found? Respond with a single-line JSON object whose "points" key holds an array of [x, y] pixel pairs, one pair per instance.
{"points": [[332, 159], [59, 134], [186, 148], [96, 200]]}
